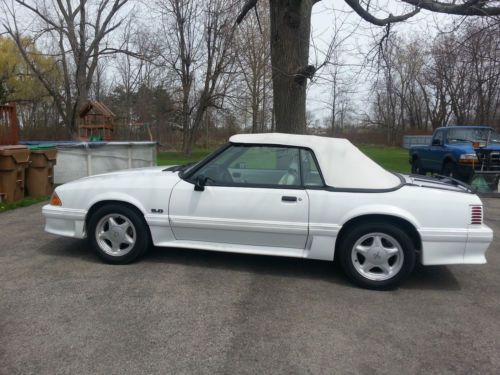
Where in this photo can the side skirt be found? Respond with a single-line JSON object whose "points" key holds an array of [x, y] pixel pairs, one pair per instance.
{"points": [[234, 248]]}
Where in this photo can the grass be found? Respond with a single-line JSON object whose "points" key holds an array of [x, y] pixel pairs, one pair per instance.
{"points": [[4, 206], [391, 158], [176, 158]]}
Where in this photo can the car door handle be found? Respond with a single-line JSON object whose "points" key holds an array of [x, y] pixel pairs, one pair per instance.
{"points": [[289, 199]]}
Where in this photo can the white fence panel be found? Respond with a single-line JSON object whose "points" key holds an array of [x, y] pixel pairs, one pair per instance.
{"points": [[77, 160], [416, 140]]}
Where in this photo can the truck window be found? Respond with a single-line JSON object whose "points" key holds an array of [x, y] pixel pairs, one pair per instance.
{"points": [[439, 136]]}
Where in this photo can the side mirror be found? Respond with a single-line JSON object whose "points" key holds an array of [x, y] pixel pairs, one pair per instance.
{"points": [[199, 183], [436, 142]]}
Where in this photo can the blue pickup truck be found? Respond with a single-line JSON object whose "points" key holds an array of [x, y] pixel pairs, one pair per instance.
{"points": [[461, 152]]}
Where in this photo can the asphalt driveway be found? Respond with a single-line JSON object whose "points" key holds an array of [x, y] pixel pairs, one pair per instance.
{"points": [[178, 311]]}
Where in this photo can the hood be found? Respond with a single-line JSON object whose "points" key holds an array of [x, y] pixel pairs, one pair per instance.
{"points": [[125, 178], [468, 147], [134, 173], [490, 147], [132, 185]]}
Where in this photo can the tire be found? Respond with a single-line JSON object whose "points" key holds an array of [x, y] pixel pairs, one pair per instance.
{"points": [[416, 167], [448, 169], [118, 234], [373, 264]]}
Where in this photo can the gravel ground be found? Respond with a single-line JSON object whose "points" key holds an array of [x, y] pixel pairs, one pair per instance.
{"points": [[180, 311]]}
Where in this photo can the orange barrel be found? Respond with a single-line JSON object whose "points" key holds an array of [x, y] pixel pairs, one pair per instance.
{"points": [[40, 174], [13, 163]]}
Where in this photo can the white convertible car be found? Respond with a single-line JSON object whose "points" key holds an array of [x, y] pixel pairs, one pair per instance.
{"points": [[279, 194]]}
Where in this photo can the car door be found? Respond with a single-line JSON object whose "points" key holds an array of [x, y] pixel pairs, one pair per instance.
{"points": [[437, 151], [253, 196]]}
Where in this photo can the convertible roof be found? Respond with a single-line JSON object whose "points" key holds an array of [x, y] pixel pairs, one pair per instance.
{"points": [[342, 164]]}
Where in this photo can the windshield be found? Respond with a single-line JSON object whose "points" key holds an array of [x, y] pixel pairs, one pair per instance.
{"points": [[473, 135]]}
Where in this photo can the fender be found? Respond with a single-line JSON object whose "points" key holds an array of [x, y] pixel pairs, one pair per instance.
{"points": [[117, 196], [380, 209], [449, 155]]}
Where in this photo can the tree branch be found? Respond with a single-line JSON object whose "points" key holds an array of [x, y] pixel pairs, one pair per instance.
{"points": [[367, 16], [246, 8], [468, 8]]}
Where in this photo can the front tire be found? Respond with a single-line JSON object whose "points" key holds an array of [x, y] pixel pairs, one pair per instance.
{"points": [[118, 234], [449, 169], [377, 256], [416, 167]]}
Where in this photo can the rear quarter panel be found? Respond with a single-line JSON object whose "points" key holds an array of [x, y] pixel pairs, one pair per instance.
{"points": [[432, 212]]}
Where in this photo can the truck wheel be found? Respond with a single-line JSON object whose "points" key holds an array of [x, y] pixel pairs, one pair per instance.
{"points": [[448, 169], [451, 170], [416, 167]]}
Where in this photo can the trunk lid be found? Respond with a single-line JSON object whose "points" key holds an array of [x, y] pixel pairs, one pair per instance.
{"points": [[438, 182]]}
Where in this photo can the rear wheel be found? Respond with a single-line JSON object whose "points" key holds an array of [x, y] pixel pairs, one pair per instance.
{"points": [[118, 234], [377, 256]]}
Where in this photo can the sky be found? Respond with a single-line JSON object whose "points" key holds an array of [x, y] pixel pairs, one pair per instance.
{"points": [[331, 16]]}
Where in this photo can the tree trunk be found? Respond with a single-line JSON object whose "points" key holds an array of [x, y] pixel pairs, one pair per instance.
{"points": [[290, 32], [185, 120], [80, 101], [255, 113], [198, 118]]}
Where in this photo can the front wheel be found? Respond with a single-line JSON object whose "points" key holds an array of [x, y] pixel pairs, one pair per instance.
{"points": [[449, 169], [118, 234], [377, 256], [416, 167]]}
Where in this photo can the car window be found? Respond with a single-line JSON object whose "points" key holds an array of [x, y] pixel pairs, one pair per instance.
{"points": [[254, 165], [310, 171]]}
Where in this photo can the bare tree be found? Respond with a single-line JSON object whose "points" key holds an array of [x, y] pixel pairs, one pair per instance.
{"points": [[400, 99], [254, 62], [290, 33], [199, 49], [133, 72], [456, 79], [80, 35]]}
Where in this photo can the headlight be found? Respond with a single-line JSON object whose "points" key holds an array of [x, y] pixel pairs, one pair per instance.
{"points": [[468, 159], [55, 200]]}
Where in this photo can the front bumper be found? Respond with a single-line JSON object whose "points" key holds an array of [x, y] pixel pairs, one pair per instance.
{"points": [[66, 222], [456, 246]]}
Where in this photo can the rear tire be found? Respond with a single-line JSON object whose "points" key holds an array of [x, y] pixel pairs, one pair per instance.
{"points": [[118, 234], [377, 256]]}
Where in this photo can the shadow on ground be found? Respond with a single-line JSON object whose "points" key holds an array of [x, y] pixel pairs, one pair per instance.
{"points": [[422, 278]]}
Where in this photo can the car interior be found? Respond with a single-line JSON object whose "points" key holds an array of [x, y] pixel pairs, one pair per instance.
{"points": [[262, 165]]}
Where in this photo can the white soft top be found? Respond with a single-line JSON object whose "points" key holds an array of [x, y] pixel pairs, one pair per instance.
{"points": [[342, 164]]}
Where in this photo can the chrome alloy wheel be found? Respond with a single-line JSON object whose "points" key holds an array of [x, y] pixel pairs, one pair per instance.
{"points": [[115, 234], [377, 256]]}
